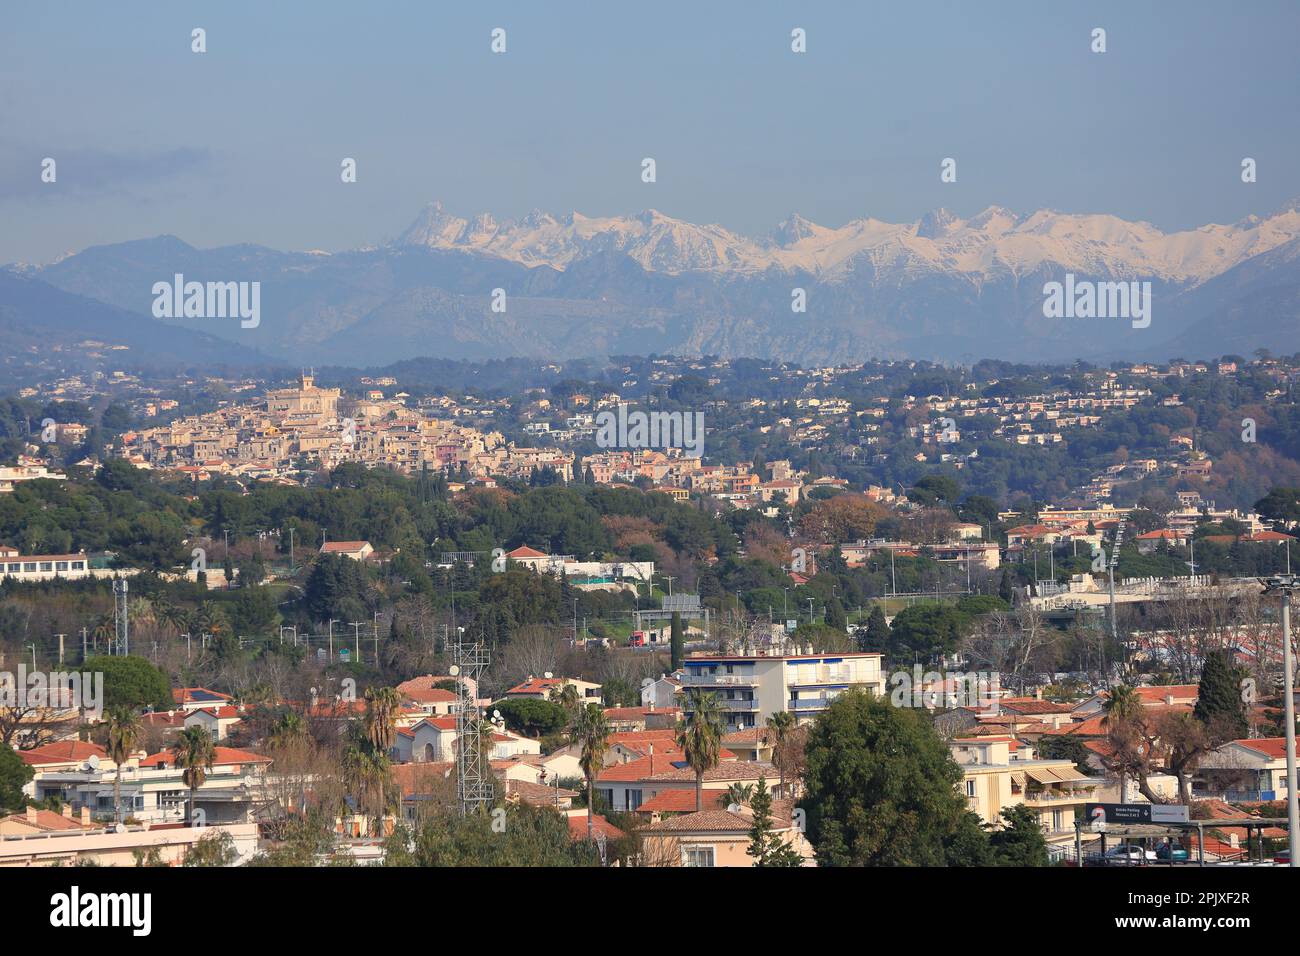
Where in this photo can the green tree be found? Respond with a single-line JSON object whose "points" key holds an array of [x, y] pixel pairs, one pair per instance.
{"points": [[533, 718], [1020, 842], [881, 787], [14, 775], [194, 755], [131, 682], [700, 738], [213, 849], [1220, 705], [592, 734], [781, 725], [874, 637], [123, 736], [765, 846]]}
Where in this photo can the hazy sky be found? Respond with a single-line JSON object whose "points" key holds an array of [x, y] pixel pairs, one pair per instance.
{"points": [[243, 143]]}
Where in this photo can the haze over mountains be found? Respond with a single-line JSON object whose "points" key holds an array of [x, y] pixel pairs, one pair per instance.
{"points": [[942, 288]]}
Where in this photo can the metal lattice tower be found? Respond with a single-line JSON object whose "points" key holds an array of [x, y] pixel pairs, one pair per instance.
{"points": [[121, 620], [473, 777]]}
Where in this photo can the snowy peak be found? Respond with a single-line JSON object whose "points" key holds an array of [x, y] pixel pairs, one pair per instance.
{"points": [[992, 244]]}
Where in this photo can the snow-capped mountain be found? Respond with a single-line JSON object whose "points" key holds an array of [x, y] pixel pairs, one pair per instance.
{"points": [[942, 287], [992, 245]]}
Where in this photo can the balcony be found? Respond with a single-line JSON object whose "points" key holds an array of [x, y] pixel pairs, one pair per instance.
{"points": [[719, 680], [1054, 797], [824, 677], [809, 703]]}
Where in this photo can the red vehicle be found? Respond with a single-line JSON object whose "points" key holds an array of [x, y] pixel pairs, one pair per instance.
{"points": [[637, 639]]}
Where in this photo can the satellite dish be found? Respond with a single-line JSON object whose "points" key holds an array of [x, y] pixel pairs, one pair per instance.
{"points": [[92, 762], [453, 670], [733, 808], [496, 715], [548, 675]]}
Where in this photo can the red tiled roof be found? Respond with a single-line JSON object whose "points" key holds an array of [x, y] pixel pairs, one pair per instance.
{"points": [[578, 827], [523, 551], [220, 756], [682, 800], [62, 751]]}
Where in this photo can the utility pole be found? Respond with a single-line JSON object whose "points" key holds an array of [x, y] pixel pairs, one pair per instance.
{"points": [[1287, 584], [356, 633], [60, 637], [291, 550], [331, 625]]}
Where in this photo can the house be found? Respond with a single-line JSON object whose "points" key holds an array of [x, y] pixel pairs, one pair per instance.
{"points": [[196, 698], [541, 688], [1000, 772], [217, 721], [118, 846], [152, 788], [625, 786], [662, 693], [428, 699], [1244, 770], [356, 550], [717, 837]]}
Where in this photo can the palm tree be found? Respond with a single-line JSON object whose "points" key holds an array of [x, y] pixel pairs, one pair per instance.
{"points": [[567, 697], [700, 737], [171, 616], [104, 629], [366, 775], [194, 753], [1122, 713], [740, 794], [592, 733], [123, 735], [780, 723], [288, 728], [382, 705]]}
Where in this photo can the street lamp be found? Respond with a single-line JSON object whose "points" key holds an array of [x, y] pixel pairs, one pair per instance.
{"points": [[1286, 585]]}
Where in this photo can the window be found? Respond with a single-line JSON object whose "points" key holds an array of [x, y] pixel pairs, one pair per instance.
{"points": [[970, 788], [78, 565], [60, 565], [29, 566], [15, 567], [633, 799], [697, 856], [47, 565]]}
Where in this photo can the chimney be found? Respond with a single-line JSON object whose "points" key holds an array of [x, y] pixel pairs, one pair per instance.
{"points": [[67, 811], [31, 814], [85, 816], [1038, 693], [1169, 698]]}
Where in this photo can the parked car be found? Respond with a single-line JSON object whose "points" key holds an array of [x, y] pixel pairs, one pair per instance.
{"points": [[1166, 850], [1129, 855], [1283, 857]]}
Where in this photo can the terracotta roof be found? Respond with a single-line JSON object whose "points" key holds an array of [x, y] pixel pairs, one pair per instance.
{"points": [[537, 794], [342, 547], [416, 778], [1272, 747], [62, 751], [726, 770], [578, 827], [681, 800], [44, 820], [220, 756], [524, 551], [703, 820]]}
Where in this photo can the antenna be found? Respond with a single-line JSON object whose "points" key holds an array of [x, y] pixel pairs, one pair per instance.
{"points": [[473, 783]]}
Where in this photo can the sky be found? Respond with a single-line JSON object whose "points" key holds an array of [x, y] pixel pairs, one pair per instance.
{"points": [[244, 143]]}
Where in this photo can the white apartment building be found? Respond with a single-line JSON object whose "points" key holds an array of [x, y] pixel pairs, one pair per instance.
{"points": [[751, 689]]}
